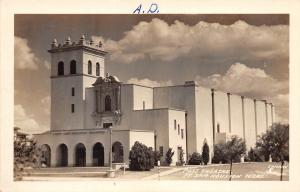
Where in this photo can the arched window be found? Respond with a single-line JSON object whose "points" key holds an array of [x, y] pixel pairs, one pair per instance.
{"points": [[97, 69], [60, 68], [73, 67], [90, 67], [107, 103]]}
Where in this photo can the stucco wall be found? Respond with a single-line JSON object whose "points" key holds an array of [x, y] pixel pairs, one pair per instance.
{"points": [[204, 128], [236, 115], [221, 111], [250, 132], [142, 94], [88, 139], [261, 117], [94, 59], [66, 57]]}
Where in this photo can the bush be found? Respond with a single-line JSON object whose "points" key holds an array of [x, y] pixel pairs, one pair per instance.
{"points": [[205, 153], [195, 159], [157, 157], [141, 157], [219, 155], [253, 156], [169, 156]]}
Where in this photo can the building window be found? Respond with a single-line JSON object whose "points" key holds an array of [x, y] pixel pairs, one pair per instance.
{"points": [[107, 103], [60, 68], [144, 105], [90, 67], [218, 128], [73, 91], [73, 108], [97, 69], [182, 136], [175, 124], [161, 151], [107, 125], [73, 67], [178, 129]]}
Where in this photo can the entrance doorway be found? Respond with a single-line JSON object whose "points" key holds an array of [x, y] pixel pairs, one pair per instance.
{"points": [[98, 154], [117, 152], [62, 155], [80, 155], [46, 155]]}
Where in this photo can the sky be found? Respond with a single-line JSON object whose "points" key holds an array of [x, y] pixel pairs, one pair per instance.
{"points": [[242, 54]]}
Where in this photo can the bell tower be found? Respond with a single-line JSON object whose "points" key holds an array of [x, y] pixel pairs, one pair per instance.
{"points": [[75, 66]]}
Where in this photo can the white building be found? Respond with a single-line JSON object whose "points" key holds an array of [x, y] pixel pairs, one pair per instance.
{"points": [[85, 101]]}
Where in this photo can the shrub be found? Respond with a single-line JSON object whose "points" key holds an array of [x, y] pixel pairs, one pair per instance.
{"points": [[157, 157], [219, 155], [195, 159], [141, 157], [169, 156], [254, 156], [205, 153]]}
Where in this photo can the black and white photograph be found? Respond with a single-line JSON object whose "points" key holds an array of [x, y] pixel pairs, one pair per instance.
{"points": [[149, 96]]}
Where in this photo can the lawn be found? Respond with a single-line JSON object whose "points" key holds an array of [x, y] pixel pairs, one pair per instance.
{"points": [[262, 171]]}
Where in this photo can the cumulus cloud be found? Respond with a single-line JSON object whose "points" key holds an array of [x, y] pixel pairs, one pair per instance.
{"points": [[24, 57], [251, 82], [159, 40], [149, 83], [46, 104], [25, 121]]}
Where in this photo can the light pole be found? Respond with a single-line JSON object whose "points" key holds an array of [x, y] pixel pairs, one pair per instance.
{"points": [[111, 171]]}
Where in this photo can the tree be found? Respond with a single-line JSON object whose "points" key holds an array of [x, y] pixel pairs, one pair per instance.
{"points": [[141, 157], [233, 150], [219, 155], [275, 142], [169, 156], [195, 159], [205, 153], [26, 154]]}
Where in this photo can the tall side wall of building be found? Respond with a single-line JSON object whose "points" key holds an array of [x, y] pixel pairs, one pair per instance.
{"points": [[221, 112], [236, 114], [261, 117], [204, 128], [250, 129], [180, 97]]}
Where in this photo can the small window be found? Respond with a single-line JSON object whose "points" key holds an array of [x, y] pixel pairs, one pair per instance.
{"points": [[73, 91], [60, 68], [73, 108], [182, 136], [161, 150], [175, 124], [73, 67], [97, 69], [107, 125], [218, 128], [178, 129], [144, 105], [90, 67]]}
